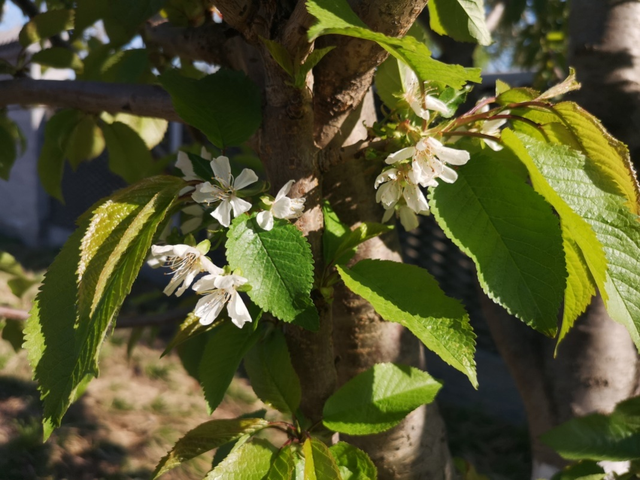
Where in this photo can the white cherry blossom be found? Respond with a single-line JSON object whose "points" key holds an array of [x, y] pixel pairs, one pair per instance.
{"points": [[430, 162], [224, 190], [218, 291], [186, 263], [282, 207], [420, 103]]}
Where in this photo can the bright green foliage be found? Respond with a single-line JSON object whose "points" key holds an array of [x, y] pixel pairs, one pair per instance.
{"points": [[225, 106], [410, 296], [85, 142], [284, 464], [340, 243], [85, 286], [378, 399], [45, 25], [511, 234], [272, 375], [336, 17], [389, 82], [595, 207], [279, 267], [222, 355], [249, 461], [51, 161], [129, 157], [205, 437], [58, 57], [462, 20], [585, 470], [151, 130], [353, 463], [319, 464], [600, 437]]}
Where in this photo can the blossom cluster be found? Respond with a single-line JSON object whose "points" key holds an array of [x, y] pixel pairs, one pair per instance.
{"points": [[218, 286]]}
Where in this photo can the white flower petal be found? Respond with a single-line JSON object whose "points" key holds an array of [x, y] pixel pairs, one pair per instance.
{"points": [[223, 213], [246, 177], [209, 307], [239, 205], [190, 225], [493, 145], [238, 310], [265, 220], [448, 175], [435, 104], [281, 208], [390, 174], [389, 194], [205, 283], [419, 110], [284, 191], [209, 266], [388, 213], [193, 210], [204, 153], [185, 165], [222, 169], [400, 155], [452, 156], [408, 218], [415, 199]]}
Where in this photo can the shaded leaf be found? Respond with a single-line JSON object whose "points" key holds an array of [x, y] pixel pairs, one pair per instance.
{"points": [[206, 437], [585, 470], [271, 373], [410, 296], [225, 106], [45, 25], [462, 20], [58, 57], [129, 157], [378, 399], [86, 141]]}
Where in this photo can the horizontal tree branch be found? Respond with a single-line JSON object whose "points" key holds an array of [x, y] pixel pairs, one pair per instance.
{"points": [[92, 97], [125, 321], [206, 43]]}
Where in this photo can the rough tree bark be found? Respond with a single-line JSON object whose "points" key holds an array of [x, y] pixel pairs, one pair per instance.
{"points": [[417, 448], [597, 364]]}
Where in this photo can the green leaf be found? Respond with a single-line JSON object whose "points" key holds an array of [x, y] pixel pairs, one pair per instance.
{"points": [[512, 236], [271, 373], [585, 470], [225, 106], [410, 296], [151, 130], [189, 328], [57, 132], [279, 266], [45, 25], [85, 287], [353, 463], [614, 437], [13, 332], [226, 347], [319, 464], [201, 167], [58, 57], [284, 464], [206, 437], [312, 60], [128, 66], [8, 152], [123, 18], [363, 232], [389, 82], [462, 20], [335, 17], [333, 234], [596, 207], [378, 399], [86, 141], [279, 54], [129, 157], [88, 12], [250, 461]]}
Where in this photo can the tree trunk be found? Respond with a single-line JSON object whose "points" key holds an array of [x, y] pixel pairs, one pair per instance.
{"points": [[597, 363], [417, 448]]}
